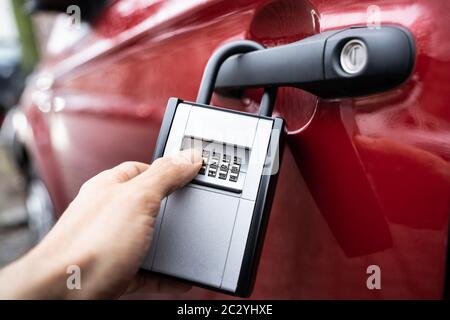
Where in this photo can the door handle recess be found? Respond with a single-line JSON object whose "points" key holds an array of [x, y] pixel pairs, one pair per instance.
{"points": [[343, 63]]}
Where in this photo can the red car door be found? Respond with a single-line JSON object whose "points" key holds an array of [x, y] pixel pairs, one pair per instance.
{"points": [[364, 182]]}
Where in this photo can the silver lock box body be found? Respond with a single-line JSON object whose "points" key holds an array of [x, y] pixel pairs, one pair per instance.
{"points": [[210, 232]]}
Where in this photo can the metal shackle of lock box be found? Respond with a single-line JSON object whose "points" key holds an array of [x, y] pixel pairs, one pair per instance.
{"points": [[212, 69]]}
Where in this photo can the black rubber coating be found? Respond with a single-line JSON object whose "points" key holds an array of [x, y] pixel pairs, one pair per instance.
{"points": [[213, 66]]}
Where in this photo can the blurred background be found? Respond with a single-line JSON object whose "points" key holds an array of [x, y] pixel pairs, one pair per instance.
{"points": [[22, 38]]}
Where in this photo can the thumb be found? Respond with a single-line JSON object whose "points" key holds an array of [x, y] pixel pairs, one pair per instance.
{"points": [[169, 173]]}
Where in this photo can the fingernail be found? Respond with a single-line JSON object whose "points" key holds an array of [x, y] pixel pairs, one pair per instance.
{"points": [[192, 155]]}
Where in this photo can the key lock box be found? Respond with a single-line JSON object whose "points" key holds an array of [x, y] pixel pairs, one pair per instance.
{"points": [[210, 232]]}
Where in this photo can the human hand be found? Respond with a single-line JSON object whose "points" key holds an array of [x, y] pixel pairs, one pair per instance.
{"points": [[106, 231]]}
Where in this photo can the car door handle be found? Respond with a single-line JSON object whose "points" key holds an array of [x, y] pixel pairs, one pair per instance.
{"points": [[342, 63]]}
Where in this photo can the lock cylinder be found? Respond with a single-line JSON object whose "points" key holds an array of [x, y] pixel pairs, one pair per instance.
{"points": [[354, 56]]}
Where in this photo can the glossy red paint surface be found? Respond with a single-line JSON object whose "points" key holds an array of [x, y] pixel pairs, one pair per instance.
{"points": [[363, 181]]}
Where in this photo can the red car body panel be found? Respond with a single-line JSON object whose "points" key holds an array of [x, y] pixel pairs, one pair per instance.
{"points": [[363, 181]]}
